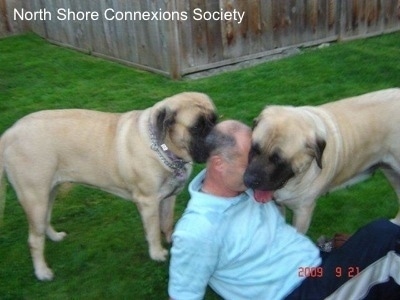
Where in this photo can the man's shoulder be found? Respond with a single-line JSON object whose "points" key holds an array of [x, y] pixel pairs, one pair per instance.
{"points": [[199, 222], [196, 228]]}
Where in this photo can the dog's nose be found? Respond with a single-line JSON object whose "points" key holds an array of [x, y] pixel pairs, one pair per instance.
{"points": [[251, 180]]}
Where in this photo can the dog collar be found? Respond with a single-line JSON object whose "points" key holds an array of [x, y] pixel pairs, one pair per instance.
{"points": [[166, 156]]}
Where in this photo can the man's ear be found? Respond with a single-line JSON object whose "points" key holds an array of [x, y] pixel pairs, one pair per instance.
{"points": [[217, 162], [165, 119]]}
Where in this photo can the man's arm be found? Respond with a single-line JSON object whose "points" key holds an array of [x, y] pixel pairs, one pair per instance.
{"points": [[193, 261]]}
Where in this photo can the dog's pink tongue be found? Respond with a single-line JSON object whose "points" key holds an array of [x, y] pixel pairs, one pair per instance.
{"points": [[263, 196]]}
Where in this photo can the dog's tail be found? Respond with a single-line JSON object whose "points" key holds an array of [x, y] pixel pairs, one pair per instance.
{"points": [[2, 182]]}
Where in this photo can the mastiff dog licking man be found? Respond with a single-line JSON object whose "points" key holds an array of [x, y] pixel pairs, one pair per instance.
{"points": [[300, 153], [142, 155]]}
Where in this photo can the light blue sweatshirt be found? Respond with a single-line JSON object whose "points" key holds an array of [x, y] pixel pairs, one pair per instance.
{"points": [[241, 248]]}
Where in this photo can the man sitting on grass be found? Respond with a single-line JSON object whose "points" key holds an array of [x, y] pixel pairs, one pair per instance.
{"points": [[245, 250]]}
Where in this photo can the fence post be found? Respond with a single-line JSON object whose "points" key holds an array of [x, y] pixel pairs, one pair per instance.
{"points": [[174, 52], [5, 27]]}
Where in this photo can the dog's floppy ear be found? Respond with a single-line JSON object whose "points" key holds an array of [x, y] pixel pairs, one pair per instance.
{"points": [[255, 122], [164, 119], [318, 149]]}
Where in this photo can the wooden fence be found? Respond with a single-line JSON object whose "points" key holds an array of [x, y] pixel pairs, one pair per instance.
{"points": [[176, 37], [7, 25]]}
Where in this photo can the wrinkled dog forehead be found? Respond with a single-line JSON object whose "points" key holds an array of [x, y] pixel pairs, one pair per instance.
{"points": [[265, 136], [284, 125], [190, 106], [192, 100], [196, 120]]}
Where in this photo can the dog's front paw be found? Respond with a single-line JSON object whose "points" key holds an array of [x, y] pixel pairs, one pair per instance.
{"points": [[159, 255], [44, 274], [59, 236], [54, 235]]}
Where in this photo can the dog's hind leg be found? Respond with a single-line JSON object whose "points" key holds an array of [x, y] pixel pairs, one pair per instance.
{"points": [[50, 232], [394, 179], [34, 202]]}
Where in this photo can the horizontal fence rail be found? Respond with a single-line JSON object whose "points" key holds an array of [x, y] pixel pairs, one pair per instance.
{"points": [[179, 37]]}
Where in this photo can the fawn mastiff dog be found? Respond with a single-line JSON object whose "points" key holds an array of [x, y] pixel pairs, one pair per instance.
{"points": [[141, 155], [299, 153]]}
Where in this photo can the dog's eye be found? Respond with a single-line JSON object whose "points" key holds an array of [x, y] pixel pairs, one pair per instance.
{"points": [[254, 150], [199, 128], [203, 125], [275, 158]]}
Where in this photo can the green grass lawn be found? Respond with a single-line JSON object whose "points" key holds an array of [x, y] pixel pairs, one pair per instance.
{"points": [[105, 254]]}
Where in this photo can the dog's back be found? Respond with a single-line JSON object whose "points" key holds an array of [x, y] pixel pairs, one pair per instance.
{"points": [[373, 106]]}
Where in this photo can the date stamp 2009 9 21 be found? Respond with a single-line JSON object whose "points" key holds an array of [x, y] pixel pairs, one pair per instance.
{"points": [[320, 272]]}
